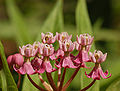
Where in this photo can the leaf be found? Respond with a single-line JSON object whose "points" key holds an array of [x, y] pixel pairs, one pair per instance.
{"points": [[115, 86], [0, 82], [112, 67], [84, 26], [54, 22], [21, 32], [3, 79], [11, 86], [28, 86]]}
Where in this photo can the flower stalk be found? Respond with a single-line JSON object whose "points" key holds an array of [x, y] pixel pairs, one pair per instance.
{"points": [[38, 87], [84, 89], [19, 80]]}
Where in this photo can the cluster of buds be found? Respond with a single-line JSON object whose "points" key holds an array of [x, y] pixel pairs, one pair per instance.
{"points": [[37, 58]]}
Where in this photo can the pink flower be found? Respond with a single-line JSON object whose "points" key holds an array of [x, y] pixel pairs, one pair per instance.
{"points": [[29, 50], [25, 69], [10, 60], [66, 62], [97, 58], [16, 59], [45, 49], [63, 36], [65, 48], [48, 38], [80, 47], [41, 65], [67, 45], [81, 58], [84, 39]]}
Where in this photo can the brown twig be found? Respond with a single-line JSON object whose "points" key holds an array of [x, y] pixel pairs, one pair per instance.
{"points": [[38, 87], [19, 80], [50, 79], [45, 84], [70, 80], [84, 89], [62, 80]]}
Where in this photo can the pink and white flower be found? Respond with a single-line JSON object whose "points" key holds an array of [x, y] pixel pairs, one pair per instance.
{"points": [[84, 39], [63, 36], [28, 50], [46, 49], [42, 65], [48, 38], [97, 57]]}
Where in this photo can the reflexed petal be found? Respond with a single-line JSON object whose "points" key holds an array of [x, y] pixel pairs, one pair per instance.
{"points": [[102, 74], [92, 57], [60, 53], [10, 60], [67, 62], [85, 57], [18, 59], [48, 66], [26, 68]]}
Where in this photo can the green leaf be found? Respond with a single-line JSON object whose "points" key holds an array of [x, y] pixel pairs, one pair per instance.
{"points": [[84, 26], [28, 86], [115, 86], [0, 81], [20, 31], [54, 22], [112, 67], [82, 18], [11, 86], [3, 79]]}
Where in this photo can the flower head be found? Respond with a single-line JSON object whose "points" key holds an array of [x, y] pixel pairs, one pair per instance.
{"points": [[28, 50], [48, 38], [46, 49], [84, 39], [97, 58], [67, 45], [40, 65], [63, 36]]}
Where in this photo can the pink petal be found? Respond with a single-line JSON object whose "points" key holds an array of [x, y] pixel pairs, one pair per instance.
{"points": [[48, 66], [71, 47], [18, 59], [41, 69], [42, 35], [93, 59], [103, 75], [85, 57], [27, 68], [67, 62], [60, 53], [10, 60], [77, 60]]}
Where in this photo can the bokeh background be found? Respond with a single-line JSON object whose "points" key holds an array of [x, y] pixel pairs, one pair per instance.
{"points": [[104, 16]]}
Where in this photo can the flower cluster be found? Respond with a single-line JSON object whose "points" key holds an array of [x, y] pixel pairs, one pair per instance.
{"points": [[37, 58]]}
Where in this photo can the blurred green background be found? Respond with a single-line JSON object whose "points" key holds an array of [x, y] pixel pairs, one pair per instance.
{"points": [[30, 15]]}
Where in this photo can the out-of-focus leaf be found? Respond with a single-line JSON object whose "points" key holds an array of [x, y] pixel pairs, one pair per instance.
{"points": [[3, 79], [115, 86], [82, 18], [113, 68], [28, 86], [21, 32], [0, 82], [54, 22], [84, 26], [11, 86], [97, 25]]}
